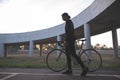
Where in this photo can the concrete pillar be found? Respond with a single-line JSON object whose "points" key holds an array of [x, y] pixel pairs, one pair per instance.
{"points": [[58, 39], [115, 43], [2, 50], [5, 51], [41, 46], [87, 35], [58, 47], [31, 46]]}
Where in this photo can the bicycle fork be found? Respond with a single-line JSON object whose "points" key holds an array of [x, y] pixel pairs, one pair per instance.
{"points": [[58, 55]]}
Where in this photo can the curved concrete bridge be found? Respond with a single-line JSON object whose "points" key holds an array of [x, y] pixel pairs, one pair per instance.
{"points": [[101, 16]]}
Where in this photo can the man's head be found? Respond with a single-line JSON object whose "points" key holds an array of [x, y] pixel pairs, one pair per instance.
{"points": [[65, 16]]}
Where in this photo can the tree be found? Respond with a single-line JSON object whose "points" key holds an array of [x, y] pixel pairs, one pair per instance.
{"points": [[104, 47], [97, 46]]}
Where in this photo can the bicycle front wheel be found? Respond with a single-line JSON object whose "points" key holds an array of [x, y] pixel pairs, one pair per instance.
{"points": [[92, 59], [56, 60]]}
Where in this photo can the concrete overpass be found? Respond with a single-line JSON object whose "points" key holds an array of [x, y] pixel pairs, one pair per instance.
{"points": [[101, 16]]}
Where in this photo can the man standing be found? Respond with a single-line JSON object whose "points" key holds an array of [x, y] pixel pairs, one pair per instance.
{"points": [[70, 45]]}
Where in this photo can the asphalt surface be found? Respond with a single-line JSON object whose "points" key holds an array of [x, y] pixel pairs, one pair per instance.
{"points": [[46, 74]]}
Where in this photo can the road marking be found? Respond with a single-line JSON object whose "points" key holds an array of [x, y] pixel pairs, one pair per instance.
{"points": [[53, 74], [9, 76], [117, 76]]}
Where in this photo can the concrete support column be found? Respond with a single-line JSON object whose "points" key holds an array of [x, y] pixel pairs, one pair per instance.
{"points": [[31, 46], [115, 43], [5, 51], [2, 50], [87, 35], [58, 39], [41, 46], [58, 47]]}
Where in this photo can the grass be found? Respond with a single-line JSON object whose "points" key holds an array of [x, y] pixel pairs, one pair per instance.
{"points": [[109, 62], [13, 62]]}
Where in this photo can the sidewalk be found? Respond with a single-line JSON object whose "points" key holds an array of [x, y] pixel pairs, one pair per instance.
{"points": [[46, 74]]}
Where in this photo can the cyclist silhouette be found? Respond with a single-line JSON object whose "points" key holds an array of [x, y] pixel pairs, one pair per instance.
{"points": [[70, 46]]}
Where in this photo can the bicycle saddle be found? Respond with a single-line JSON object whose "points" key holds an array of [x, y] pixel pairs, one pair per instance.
{"points": [[83, 39]]}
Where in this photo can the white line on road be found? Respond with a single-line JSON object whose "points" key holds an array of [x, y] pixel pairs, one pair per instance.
{"points": [[9, 76], [117, 76], [53, 74]]}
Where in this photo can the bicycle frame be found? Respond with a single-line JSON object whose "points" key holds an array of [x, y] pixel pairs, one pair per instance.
{"points": [[93, 63], [59, 43], [81, 46], [59, 55], [81, 49]]}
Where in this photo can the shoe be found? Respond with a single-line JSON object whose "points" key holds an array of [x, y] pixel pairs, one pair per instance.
{"points": [[84, 72], [67, 72]]}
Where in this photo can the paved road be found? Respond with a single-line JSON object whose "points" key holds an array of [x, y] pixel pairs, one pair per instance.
{"points": [[46, 74]]}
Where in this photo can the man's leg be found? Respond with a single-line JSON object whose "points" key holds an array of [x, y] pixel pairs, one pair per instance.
{"points": [[68, 55], [73, 53]]}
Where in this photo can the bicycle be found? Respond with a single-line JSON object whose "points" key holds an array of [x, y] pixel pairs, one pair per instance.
{"points": [[56, 58]]}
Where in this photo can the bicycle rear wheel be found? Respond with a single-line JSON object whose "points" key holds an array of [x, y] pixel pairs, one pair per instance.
{"points": [[92, 59], [56, 60]]}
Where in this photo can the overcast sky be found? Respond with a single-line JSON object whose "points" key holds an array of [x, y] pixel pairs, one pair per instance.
{"points": [[30, 15]]}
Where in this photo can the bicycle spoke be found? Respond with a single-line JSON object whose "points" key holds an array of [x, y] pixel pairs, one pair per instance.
{"points": [[91, 59], [56, 60]]}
